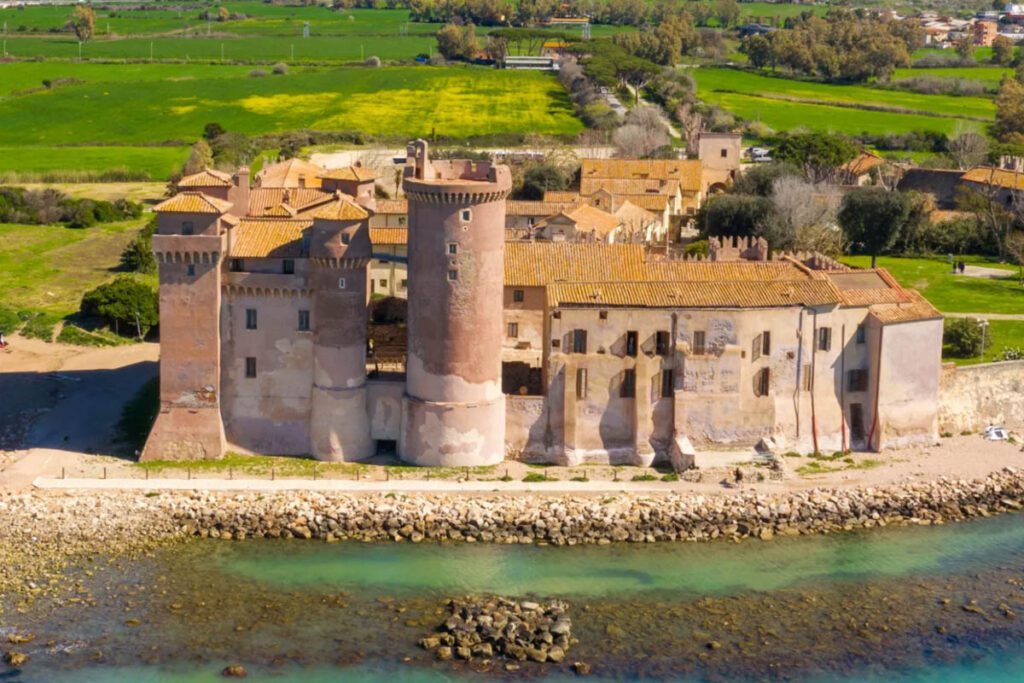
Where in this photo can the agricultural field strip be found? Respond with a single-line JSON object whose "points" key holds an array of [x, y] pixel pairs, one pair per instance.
{"points": [[731, 81], [989, 75]]}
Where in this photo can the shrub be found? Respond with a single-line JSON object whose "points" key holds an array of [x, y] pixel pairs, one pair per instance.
{"points": [[40, 326], [1012, 353], [646, 476], [72, 334], [10, 321], [964, 337], [534, 477], [696, 248], [124, 302], [373, 61], [138, 255], [280, 69], [671, 476], [542, 177]]}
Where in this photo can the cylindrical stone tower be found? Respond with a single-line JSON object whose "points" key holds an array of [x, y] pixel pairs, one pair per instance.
{"points": [[454, 409], [339, 251]]}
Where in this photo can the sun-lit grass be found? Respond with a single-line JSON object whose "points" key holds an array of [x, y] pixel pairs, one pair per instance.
{"points": [[38, 163]]}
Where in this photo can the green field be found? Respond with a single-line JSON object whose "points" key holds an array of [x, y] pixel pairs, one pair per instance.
{"points": [[398, 101], [784, 104], [989, 75], [48, 268], [158, 163], [19, 77]]}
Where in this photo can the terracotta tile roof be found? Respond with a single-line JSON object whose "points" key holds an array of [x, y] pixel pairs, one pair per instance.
{"points": [[518, 207], [649, 202], [558, 196], [356, 174], [917, 309], [208, 177], [389, 236], [265, 201], [867, 287], [624, 186], [1011, 180], [862, 163], [193, 202], [291, 173], [340, 210], [716, 294], [587, 219], [392, 207], [537, 264], [729, 271], [268, 238], [633, 216], [686, 172]]}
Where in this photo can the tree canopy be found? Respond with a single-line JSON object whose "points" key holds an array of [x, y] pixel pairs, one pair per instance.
{"points": [[872, 219]]}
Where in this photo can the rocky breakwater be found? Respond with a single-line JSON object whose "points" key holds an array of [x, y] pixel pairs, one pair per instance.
{"points": [[571, 520], [487, 628]]}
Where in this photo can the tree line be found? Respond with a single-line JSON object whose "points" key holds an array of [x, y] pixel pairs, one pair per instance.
{"points": [[525, 13]]}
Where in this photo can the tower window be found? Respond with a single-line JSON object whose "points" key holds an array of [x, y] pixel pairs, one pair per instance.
{"points": [[345, 238], [288, 266], [518, 296], [466, 215], [250, 367], [453, 248], [236, 265], [453, 275], [725, 153], [303, 321], [191, 270], [187, 228], [341, 283], [250, 318]]}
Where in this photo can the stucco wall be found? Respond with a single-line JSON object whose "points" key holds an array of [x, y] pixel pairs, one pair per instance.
{"points": [[908, 395], [975, 396]]}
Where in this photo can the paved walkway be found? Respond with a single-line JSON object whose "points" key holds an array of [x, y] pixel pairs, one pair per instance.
{"points": [[986, 316]]}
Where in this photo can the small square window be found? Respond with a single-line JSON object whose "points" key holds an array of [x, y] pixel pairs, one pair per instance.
{"points": [[725, 153], [513, 330], [401, 220], [236, 265], [466, 215], [187, 228], [345, 238], [191, 270], [288, 266], [556, 343], [250, 367], [403, 284], [453, 275], [384, 283], [303, 321], [453, 248], [518, 295], [603, 315], [250, 318]]}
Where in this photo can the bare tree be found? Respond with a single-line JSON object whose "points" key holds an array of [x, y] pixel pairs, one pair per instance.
{"points": [[968, 148], [643, 132], [804, 218]]}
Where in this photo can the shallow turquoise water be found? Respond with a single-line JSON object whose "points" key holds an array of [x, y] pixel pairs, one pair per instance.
{"points": [[810, 576]]}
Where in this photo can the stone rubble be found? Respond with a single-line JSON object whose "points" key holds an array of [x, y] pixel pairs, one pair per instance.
{"points": [[487, 628]]}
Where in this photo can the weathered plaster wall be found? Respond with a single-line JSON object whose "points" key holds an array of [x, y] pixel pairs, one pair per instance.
{"points": [[528, 314], [976, 396], [384, 404], [526, 428], [908, 396]]}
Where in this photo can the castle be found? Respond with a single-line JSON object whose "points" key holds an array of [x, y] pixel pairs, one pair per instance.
{"points": [[563, 352]]}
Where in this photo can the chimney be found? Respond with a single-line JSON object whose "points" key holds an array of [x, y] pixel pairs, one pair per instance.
{"points": [[238, 193]]}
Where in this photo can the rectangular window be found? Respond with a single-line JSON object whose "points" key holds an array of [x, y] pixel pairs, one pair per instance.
{"points": [[631, 343], [661, 343], [187, 228], [857, 421], [603, 315], [862, 334], [453, 248], [766, 343], [466, 215], [581, 383], [556, 343], [401, 220], [755, 348], [453, 275], [699, 347], [807, 378], [403, 284], [383, 283], [345, 238], [303, 321], [628, 389], [856, 380], [341, 283], [304, 246], [579, 341], [824, 338], [250, 318], [191, 270], [667, 383], [288, 266], [250, 367], [513, 330], [236, 265], [762, 382], [725, 153], [518, 295]]}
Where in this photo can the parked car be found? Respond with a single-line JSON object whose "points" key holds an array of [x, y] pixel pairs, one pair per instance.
{"points": [[992, 433]]}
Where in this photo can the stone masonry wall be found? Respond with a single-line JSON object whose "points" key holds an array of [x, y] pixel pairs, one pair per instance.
{"points": [[973, 397]]}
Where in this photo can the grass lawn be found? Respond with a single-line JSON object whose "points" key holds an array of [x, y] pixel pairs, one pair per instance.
{"points": [[1004, 334], [398, 101], [989, 75], [31, 163], [48, 267], [20, 76], [953, 293], [783, 103]]}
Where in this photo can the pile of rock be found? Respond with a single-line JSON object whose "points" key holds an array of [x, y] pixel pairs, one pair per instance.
{"points": [[488, 628]]}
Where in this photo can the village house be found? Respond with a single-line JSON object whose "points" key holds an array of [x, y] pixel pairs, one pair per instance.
{"points": [[562, 352]]}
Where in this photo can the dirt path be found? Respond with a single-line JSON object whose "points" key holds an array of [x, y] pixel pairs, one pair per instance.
{"points": [[59, 398]]}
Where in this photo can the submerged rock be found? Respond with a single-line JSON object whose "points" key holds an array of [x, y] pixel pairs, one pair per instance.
{"points": [[234, 671]]}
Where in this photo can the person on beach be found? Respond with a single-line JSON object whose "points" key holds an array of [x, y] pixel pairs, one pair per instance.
{"points": [[738, 476]]}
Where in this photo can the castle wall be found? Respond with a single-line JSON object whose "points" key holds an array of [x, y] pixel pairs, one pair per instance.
{"points": [[972, 397]]}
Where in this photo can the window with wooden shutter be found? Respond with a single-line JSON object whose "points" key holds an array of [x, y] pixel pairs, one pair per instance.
{"points": [[579, 341], [824, 338], [699, 344], [762, 382], [755, 348]]}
